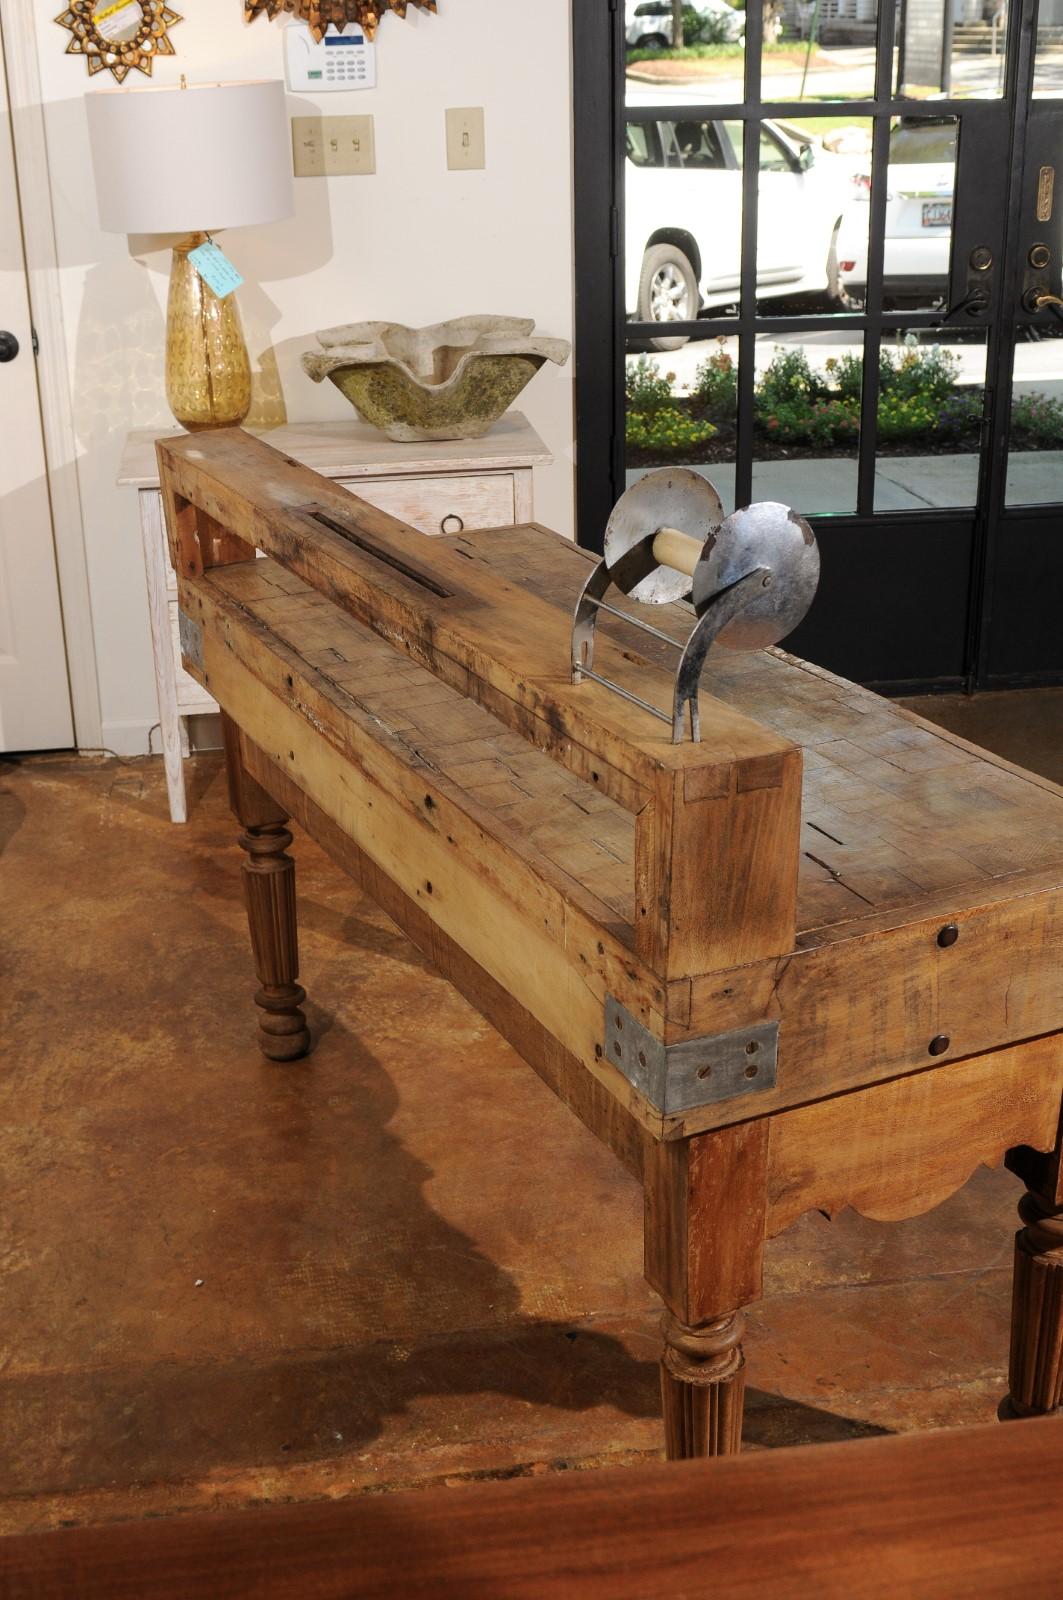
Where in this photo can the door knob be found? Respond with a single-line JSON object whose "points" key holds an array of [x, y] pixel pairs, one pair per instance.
{"points": [[1037, 299], [8, 346]]}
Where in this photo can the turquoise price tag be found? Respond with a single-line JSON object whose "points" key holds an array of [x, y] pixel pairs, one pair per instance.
{"points": [[215, 268]]}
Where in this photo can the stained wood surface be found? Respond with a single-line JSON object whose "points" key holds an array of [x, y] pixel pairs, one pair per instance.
{"points": [[705, 1220], [606, 1115], [967, 1514], [538, 934], [900, 1148], [917, 814], [894, 809], [586, 855], [498, 644], [857, 1007]]}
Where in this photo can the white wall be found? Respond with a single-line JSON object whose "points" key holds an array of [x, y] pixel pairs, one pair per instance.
{"points": [[414, 243]]}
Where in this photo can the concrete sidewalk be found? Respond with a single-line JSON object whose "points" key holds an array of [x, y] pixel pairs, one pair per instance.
{"points": [[827, 487]]}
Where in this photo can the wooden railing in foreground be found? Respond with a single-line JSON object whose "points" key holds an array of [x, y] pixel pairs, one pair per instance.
{"points": [[963, 1515]]}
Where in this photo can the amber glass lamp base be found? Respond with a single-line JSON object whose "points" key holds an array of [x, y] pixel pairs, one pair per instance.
{"points": [[208, 374]]}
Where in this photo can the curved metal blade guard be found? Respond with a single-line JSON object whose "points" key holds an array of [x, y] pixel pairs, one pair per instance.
{"points": [[751, 576]]}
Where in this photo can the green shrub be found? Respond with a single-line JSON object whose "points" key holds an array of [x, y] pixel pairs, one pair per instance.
{"points": [[816, 422], [716, 387], [644, 387], [787, 381], [705, 27], [667, 428], [919, 403], [918, 373], [1037, 420], [905, 417], [846, 374]]}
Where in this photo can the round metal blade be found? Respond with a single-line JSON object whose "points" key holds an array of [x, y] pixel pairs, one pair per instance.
{"points": [[670, 497], [764, 535]]}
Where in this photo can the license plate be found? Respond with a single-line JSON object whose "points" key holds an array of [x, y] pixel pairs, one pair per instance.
{"points": [[937, 214]]}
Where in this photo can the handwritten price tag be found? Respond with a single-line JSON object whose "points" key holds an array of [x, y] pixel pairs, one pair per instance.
{"points": [[215, 268], [117, 21]]}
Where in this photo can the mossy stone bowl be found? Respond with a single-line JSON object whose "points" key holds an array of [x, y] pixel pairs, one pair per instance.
{"points": [[448, 381]]}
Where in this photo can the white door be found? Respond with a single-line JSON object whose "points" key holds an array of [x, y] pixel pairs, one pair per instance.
{"points": [[34, 691]]}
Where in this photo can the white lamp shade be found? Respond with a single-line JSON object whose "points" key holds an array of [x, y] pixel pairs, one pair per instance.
{"points": [[213, 155]]}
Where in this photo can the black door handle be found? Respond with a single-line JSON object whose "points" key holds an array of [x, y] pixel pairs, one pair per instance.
{"points": [[8, 346]]}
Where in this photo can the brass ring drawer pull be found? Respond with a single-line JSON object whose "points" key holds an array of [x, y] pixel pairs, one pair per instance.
{"points": [[451, 523]]}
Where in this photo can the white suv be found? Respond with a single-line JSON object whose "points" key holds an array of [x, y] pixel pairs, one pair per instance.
{"points": [[683, 217], [648, 23]]}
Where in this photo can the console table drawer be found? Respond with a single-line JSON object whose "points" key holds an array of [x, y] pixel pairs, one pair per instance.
{"points": [[443, 504]]}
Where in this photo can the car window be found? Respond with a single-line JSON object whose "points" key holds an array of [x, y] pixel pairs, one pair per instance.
{"points": [[692, 144], [774, 156], [640, 145]]}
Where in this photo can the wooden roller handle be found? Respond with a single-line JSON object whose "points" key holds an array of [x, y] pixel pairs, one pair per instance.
{"points": [[672, 548]]}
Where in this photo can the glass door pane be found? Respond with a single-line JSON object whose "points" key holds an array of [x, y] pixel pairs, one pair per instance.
{"points": [[680, 410], [931, 399], [1035, 436], [709, 67], [819, 50]]}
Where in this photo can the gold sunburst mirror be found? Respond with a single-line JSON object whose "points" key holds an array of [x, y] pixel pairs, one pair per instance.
{"points": [[119, 35], [317, 14]]}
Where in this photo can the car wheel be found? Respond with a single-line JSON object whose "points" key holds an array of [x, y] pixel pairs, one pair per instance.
{"points": [[668, 291], [653, 41]]}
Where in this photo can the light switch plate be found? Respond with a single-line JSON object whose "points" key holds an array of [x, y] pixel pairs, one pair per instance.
{"points": [[349, 145], [333, 146], [308, 151], [465, 138]]}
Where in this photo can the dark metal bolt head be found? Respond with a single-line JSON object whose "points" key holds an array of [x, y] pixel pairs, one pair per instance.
{"points": [[1040, 255], [948, 935], [981, 258], [938, 1044]]}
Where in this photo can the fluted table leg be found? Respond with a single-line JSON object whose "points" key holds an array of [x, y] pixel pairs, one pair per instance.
{"points": [[1036, 1368], [269, 890], [703, 1383]]}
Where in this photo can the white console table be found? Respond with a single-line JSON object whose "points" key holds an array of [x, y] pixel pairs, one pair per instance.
{"points": [[439, 488]]}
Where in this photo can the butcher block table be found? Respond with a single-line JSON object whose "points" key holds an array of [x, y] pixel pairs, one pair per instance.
{"points": [[813, 960]]}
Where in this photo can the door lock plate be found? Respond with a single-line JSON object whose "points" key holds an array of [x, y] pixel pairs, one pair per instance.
{"points": [[1046, 183]]}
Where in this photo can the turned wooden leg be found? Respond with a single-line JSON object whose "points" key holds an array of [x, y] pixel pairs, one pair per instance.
{"points": [[705, 1218], [1036, 1370], [703, 1387], [269, 889], [269, 892]]}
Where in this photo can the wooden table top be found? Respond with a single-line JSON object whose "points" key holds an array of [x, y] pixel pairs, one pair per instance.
{"points": [[944, 1516], [896, 812], [355, 450]]}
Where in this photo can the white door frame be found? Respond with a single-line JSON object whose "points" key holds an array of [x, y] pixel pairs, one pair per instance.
{"points": [[53, 371]]}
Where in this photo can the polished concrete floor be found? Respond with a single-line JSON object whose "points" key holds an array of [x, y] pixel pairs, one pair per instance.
{"points": [[400, 1262]]}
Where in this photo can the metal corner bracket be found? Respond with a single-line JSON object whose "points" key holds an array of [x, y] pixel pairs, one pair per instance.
{"points": [[191, 637], [697, 1072]]}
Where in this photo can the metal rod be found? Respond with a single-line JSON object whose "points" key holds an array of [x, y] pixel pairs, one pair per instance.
{"points": [[607, 683], [647, 627]]}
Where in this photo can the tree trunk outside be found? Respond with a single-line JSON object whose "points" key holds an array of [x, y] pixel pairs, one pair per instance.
{"points": [[677, 24]]}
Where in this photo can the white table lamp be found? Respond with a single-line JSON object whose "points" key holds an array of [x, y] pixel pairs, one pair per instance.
{"points": [[193, 160]]}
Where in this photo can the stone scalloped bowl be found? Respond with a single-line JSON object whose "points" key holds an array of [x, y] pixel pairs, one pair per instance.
{"points": [[449, 381]]}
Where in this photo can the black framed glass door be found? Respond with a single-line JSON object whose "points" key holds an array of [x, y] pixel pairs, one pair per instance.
{"points": [[817, 260]]}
